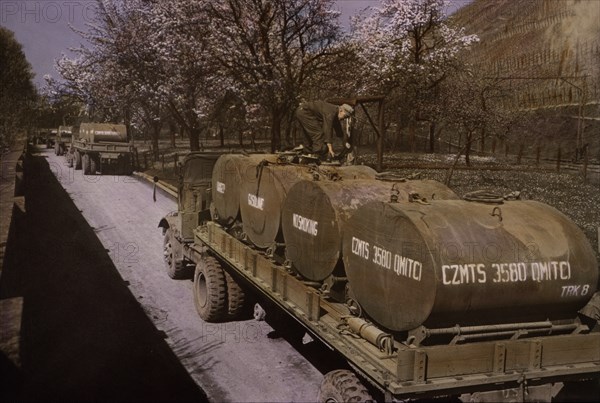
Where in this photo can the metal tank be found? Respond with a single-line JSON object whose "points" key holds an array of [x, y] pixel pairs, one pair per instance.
{"points": [[64, 132], [468, 263], [315, 213], [108, 132], [229, 172], [262, 197]]}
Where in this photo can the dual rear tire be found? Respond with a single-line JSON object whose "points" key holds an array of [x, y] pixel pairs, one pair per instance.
{"points": [[76, 160], [89, 164], [217, 296], [343, 385]]}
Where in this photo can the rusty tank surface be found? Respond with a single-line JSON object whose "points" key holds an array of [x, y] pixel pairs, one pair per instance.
{"points": [[103, 132], [229, 172], [455, 262], [315, 213], [261, 199]]}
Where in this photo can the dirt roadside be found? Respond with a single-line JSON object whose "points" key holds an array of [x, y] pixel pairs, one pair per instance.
{"points": [[83, 334]]}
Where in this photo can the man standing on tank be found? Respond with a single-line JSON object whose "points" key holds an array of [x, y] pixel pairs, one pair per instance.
{"points": [[318, 120]]}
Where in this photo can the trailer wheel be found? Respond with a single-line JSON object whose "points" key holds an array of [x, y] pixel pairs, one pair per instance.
{"points": [[85, 164], [236, 297], [343, 386], [210, 290], [93, 166], [77, 160], [176, 269]]}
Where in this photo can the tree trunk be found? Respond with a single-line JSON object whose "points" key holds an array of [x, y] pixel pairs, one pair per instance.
{"points": [[398, 137], [275, 130], [194, 133], [221, 135], [412, 135], [172, 131], [468, 140], [483, 139], [288, 133], [155, 134], [432, 137]]}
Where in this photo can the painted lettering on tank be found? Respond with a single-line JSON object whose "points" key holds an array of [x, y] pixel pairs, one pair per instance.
{"points": [[382, 257], [106, 132], [220, 187], [400, 265], [407, 267], [575, 290], [360, 248], [463, 274], [513, 272], [543, 271], [305, 224], [255, 201]]}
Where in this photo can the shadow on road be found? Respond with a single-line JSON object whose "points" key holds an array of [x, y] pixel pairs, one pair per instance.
{"points": [[83, 334]]}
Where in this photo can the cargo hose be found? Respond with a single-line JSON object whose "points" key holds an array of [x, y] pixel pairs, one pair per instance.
{"points": [[484, 196]]}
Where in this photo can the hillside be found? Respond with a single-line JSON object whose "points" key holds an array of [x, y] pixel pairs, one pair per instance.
{"points": [[548, 53]]}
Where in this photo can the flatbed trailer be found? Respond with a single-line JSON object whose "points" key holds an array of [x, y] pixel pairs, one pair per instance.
{"points": [[525, 361], [523, 368], [99, 146]]}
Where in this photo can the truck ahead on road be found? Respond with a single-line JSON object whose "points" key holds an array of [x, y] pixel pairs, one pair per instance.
{"points": [[64, 137], [99, 147], [422, 294]]}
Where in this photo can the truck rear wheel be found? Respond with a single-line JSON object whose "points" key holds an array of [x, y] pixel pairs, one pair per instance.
{"points": [[210, 293], [176, 269], [85, 164], [77, 160], [236, 297], [93, 165], [343, 386]]}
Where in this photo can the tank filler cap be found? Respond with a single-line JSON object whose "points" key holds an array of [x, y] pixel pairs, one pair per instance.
{"points": [[414, 197]]}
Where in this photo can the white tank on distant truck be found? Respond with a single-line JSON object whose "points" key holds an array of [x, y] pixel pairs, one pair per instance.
{"points": [[97, 147]]}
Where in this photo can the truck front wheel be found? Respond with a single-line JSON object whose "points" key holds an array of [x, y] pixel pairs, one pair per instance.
{"points": [[176, 268], [210, 293], [343, 386]]}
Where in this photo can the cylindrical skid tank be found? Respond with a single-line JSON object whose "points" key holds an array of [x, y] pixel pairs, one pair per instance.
{"points": [[96, 132], [315, 212], [467, 263], [229, 172], [261, 199]]}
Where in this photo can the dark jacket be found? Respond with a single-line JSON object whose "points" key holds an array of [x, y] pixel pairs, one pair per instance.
{"points": [[327, 116]]}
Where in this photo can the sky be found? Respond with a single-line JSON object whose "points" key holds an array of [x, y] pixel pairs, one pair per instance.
{"points": [[43, 26]]}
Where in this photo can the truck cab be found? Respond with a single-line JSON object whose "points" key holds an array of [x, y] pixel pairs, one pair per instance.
{"points": [[193, 207]]}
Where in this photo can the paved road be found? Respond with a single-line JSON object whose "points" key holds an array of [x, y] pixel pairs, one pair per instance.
{"points": [[235, 361]]}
